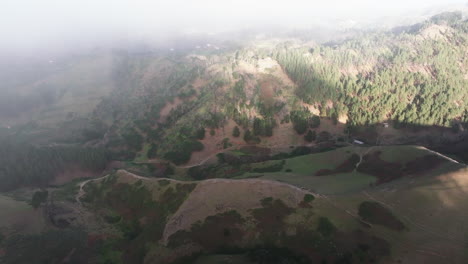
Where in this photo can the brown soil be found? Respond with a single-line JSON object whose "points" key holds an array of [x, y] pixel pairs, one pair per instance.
{"points": [[239, 195], [213, 144]]}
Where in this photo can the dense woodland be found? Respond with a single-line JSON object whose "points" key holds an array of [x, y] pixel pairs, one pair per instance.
{"points": [[417, 76], [411, 75], [27, 165]]}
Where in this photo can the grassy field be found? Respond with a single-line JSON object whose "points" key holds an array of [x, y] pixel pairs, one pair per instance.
{"points": [[400, 153], [331, 184], [302, 171]]}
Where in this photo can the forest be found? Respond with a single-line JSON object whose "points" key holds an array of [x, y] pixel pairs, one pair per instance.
{"points": [[415, 77], [23, 164]]}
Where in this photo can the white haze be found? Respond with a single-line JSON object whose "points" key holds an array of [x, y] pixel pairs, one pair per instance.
{"points": [[29, 26]]}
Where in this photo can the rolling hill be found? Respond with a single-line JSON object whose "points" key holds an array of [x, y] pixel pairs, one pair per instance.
{"points": [[274, 150]]}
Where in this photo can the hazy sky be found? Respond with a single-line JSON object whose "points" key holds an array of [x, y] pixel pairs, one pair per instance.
{"points": [[40, 23]]}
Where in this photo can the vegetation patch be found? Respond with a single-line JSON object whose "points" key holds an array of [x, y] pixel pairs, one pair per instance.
{"points": [[182, 152], [38, 198], [423, 164], [28, 165], [325, 227], [67, 192], [384, 171], [215, 233], [270, 219], [375, 213], [271, 167], [48, 247], [387, 171], [347, 166], [305, 203], [139, 217]]}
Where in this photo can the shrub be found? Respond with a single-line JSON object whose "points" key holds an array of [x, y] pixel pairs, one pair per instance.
{"points": [[299, 120], [314, 121], [181, 154], [323, 136], [275, 167], [152, 151], [325, 227], [112, 218], [200, 133], [263, 127], [38, 198], [133, 139], [301, 150], [236, 132], [247, 136], [226, 143], [310, 136], [308, 198]]}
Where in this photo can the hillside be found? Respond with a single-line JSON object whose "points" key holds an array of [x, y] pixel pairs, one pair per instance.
{"points": [[265, 150], [311, 213], [412, 79]]}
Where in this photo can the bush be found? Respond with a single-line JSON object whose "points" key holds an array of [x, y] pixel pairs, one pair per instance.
{"points": [[226, 143], [183, 151], [112, 218], [308, 198], [315, 122], [325, 227], [133, 139], [38, 198], [323, 136], [300, 121], [236, 132], [275, 167], [152, 151], [310, 136], [200, 133], [247, 136], [263, 127], [300, 151]]}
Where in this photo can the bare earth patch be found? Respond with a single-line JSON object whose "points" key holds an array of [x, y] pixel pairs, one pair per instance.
{"points": [[212, 197], [214, 144]]}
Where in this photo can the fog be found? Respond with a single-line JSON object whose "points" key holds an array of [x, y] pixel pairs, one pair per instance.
{"points": [[30, 26]]}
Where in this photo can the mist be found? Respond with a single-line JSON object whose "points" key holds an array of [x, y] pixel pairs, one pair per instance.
{"points": [[31, 27]]}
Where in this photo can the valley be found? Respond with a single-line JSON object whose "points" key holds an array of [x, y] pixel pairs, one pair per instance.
{"points": [[261, 150]]}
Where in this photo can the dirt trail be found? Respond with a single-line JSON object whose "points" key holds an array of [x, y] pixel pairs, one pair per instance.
{"points": [[207, 158], [253, 181], [441, 155], [361, 157]]}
